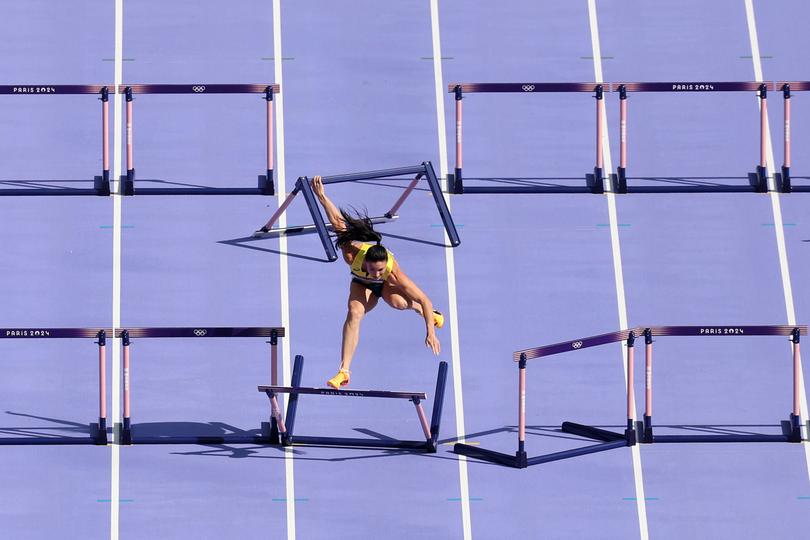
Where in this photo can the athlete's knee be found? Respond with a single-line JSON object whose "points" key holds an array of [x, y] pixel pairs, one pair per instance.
{"points": [[355, 313], [397, 302]]}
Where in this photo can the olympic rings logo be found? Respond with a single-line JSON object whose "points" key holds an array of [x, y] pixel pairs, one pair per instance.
{"points": [[528, 87], [200, 332], [576, 344], [198, 88]]}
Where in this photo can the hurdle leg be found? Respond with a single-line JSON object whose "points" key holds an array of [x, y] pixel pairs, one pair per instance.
{"points": [[394, 209], [317, 218], [762, 168], [276, 421], [126, 432], [266, 184], [595, 181], [100, 436], [647, 433], [786, 186], [420, 412], [438, 403], [795, 434], [458, 184], [129, 183], [292, 405], [102, 183], [441, 204], [621, 172]]}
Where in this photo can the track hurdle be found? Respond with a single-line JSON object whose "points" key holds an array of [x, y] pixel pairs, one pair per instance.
{"points": [[594, 182], [97, 431], [286, 425], [265, 182], [101, 184], [757, 181], [128, 433], [319, 225], [783, 180], [640, 431], [608, 439], [791, 431]]}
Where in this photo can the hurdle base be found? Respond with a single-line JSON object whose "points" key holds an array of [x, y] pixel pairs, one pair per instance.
{"points": [[517, 460], [759, 179], [101, 184], [595, 182], [348, 442], [266, 186], [791, 432], [783, 184]]}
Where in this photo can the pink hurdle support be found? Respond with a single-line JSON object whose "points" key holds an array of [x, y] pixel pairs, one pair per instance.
{"points": [[797, 361], [631, 398], [405, 194], [600, 109], [787, 126], [648, 379], [276, 412], [127, 375], [272, 221], [763, 122], [458, 133], [422, 418], [129, 135], [522, 405], [105, 133], [623, 133], [269, 99], [102, 379]]}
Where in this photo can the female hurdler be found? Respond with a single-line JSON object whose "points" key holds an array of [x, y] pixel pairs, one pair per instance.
{"points": [[375, 274]]}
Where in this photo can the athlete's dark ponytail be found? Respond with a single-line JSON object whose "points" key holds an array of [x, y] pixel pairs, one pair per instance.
{"points": [[360, 229]]}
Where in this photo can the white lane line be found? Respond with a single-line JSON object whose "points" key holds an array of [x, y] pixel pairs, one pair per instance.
{"points": [[451, 273], [776, 208], [115, 463], [641, 505], [280, 177]]}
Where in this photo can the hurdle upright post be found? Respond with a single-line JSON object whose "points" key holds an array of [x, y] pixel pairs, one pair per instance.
{"points": [[126, 433], [630, 431], [600, 111], [795, 415], [458, 185], [105, 135], [269, 185], [762, 168], [786, 187], [648, 352], [521, 457], [129, 183], [276, 422], [621, 172], [101, 436]]}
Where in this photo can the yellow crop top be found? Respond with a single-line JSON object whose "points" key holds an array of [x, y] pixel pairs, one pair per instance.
{"points": [[359, 259]]}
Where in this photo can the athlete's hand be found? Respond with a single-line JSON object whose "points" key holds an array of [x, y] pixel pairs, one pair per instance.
{"points": [[432, 343], [317, 187]]}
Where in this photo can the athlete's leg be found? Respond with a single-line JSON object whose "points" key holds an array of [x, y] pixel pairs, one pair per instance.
{"points": [[395, 297], [361, 301]]}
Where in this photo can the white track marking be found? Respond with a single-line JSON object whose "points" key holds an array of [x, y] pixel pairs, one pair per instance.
{"points": [[618, 274], [451, 272]]}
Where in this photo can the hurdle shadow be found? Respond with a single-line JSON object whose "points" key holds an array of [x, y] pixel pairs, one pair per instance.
{"points": [[243, 241], [59, 431]]}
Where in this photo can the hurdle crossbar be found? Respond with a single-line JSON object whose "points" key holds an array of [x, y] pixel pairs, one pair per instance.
{"points": [[265, 181], [128, 432], [97, 431], [286, 425], [319, 224], [783, 180], [101, 184], [757, 181], [594, 182], [641, 431]]}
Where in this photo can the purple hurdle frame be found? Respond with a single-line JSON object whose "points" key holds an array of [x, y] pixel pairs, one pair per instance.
{"points": [[265, 181], [430, 429], [608, 439], [268, 433], [594, 181], [101, 184], [758, 181], [97, 431], [791, 428]]}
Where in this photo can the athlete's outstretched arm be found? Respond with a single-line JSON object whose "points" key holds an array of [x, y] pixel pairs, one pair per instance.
{"points": [[332, 212], [414, 292]]}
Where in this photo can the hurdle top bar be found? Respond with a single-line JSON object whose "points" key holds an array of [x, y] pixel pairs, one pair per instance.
{"points": [[50, 89], [687, 86], [370, 175], [343, 393], [798, 86], [524, 87], [201, 332], [621, 335], [52, 333], [199, 88]]}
